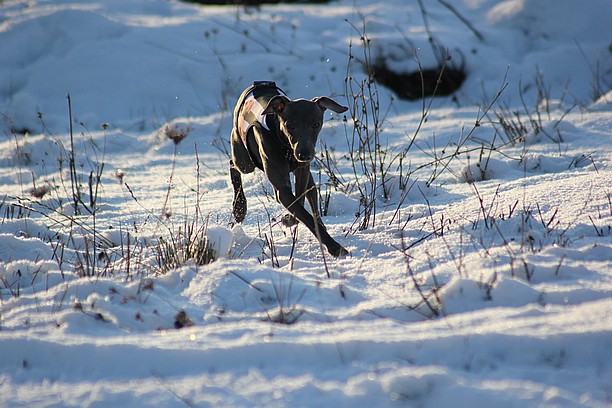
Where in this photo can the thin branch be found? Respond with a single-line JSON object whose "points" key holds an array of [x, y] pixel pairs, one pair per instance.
{"points": [[463, 19]]}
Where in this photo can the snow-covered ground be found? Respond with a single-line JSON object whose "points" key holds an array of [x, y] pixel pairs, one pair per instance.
{"points": [[483, 276]]}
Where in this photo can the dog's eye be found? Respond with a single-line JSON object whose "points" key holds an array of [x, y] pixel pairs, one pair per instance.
{"points": [[290, 127], [316, 125]]}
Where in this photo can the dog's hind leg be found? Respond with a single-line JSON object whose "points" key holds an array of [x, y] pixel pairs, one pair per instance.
{"points": [[239, 206]]}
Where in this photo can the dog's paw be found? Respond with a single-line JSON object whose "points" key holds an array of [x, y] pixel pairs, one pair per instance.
{"points": [[338, 251], [289, 220]]}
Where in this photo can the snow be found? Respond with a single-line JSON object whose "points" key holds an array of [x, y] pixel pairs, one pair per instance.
{"points": [[485, 277]]}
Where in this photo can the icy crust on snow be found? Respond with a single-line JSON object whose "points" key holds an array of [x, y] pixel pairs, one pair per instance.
{"points": [[489, 284]]}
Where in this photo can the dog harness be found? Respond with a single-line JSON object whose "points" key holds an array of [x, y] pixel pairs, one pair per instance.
{"points": [[253, 107]]}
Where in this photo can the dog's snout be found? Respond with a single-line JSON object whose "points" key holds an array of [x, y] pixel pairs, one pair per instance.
{"points": [[303, 156]]}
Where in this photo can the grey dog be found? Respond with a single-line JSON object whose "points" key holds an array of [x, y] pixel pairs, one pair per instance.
{"points": [[278, 136]]}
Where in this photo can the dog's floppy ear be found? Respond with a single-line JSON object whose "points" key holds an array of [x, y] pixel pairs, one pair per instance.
{"points": [[328, 103], [277, 104]]}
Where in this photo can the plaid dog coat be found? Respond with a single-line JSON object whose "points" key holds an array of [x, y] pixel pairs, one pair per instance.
{"points": [[248, 113], [253, 107]]}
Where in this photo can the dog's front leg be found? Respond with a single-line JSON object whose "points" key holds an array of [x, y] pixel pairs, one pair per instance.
{"points": [[239, 205], [301, 181], [313, 197], [305, 188], [290, 202]]}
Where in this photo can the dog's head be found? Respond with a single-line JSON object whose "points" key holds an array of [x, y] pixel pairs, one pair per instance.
{"points": [[301, 121]]}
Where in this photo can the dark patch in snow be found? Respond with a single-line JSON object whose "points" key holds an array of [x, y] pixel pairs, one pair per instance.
{"points": [[414, 85]]}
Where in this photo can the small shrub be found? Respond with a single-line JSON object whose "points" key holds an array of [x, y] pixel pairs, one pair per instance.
{"points": [[188, 245]]}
